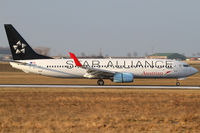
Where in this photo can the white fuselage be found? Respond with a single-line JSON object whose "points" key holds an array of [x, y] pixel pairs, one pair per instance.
{"points": [[140, 68]]}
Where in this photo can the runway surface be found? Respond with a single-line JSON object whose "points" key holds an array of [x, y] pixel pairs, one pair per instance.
{"points": [[94, 86]]}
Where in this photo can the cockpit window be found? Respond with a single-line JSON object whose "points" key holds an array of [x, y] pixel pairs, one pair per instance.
{"points": [[185, 65]]}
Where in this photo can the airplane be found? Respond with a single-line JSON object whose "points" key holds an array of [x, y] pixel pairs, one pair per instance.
{"points": [[121, 70]]}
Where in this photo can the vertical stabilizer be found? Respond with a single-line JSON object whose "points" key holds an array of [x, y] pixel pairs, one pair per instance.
{"points": [[20, 49]]}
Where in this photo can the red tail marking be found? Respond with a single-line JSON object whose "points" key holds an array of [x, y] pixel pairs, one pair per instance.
{"points": [[75, 59]]}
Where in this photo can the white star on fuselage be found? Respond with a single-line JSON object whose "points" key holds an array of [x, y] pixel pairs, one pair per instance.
{"points": [[19, 47]]}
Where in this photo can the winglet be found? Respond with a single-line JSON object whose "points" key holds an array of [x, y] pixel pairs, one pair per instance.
{"points": [[75, 59]]}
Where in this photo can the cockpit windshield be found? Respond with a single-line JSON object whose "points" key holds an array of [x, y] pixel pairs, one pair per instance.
{"points": [[186, 65]]}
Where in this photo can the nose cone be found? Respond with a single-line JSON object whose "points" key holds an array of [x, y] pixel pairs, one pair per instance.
{"points": [[193, 71]]}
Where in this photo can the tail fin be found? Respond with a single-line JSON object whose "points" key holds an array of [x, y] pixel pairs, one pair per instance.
{"points": [[19, 47]]}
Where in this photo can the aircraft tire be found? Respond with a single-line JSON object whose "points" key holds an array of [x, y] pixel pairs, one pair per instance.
{"points": [[177, 83], [100, 82]]}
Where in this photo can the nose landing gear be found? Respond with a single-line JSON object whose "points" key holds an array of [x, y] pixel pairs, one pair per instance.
{"points": [[100, 82], [177, 83]]}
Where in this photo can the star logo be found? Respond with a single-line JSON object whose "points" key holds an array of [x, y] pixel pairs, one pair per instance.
{"points": [[19, 47]]}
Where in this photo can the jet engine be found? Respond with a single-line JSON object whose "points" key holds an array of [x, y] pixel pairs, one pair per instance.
{"points": [[123, 77]]}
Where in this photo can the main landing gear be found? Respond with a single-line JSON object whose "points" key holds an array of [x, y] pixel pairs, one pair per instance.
{"points": [[100, 82]]}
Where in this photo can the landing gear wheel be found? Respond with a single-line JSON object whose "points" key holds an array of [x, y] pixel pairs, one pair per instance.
{"points": [[100, 82], [177, 83]]}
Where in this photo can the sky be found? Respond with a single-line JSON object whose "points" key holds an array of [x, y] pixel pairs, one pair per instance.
{"points": [[115, 27]]}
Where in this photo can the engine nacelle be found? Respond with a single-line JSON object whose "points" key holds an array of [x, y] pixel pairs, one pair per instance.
{"points": [[123, 77]]}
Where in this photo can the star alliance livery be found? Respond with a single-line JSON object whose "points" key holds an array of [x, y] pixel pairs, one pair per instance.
{"points": [[117, 70]]}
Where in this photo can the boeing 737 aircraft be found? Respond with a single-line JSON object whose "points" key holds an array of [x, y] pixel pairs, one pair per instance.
{"points": [[117, 70]]}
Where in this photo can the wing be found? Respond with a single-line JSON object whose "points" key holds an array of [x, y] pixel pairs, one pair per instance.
{"points": [[92, 72]]}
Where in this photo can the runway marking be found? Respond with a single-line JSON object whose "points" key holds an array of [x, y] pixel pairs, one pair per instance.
{"points": [[94, 86]]}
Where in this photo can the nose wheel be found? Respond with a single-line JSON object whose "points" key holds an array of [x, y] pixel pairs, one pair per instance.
{"points": [[100, 82], [177, 83]]}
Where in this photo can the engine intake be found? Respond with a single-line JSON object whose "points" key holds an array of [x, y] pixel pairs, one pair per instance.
{"points": [[123, 77]]}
